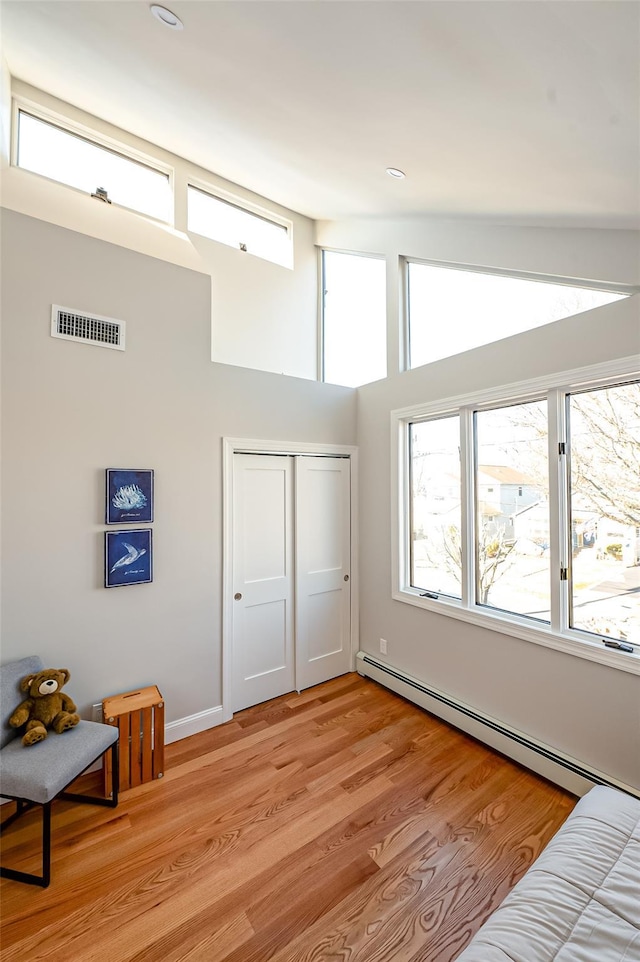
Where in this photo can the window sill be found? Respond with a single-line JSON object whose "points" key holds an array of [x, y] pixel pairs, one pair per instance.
{"points": [[517, 628]]}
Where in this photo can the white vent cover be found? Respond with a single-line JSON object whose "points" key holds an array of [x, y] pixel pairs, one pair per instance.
{"points": [[89, 328]]}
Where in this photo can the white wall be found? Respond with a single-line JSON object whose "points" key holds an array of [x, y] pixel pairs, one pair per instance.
{"points": [[71, 410], [263, 315], [247, 329]]}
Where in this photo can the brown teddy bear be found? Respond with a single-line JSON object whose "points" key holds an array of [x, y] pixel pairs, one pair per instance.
{"points": [[46, 707]]}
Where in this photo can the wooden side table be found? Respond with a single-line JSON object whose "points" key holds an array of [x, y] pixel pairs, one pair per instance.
{"points": [[139, 716]]}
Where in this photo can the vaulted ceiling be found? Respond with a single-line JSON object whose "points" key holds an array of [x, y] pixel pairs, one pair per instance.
{"points": [[518, 111]]}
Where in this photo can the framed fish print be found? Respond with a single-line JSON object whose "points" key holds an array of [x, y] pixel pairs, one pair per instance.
{"points": [[129, 496], [128, 558]]}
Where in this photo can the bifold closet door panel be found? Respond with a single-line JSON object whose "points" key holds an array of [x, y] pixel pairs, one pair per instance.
{"points": [[323, 569], [263, 579]]}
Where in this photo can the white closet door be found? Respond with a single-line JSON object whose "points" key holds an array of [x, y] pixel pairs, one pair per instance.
{"points": [[263, 579], [323, 553]]}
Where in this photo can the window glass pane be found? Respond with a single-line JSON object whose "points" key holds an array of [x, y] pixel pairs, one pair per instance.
{"points": [[354, 318], [605, 511], [454, 310], [53, 152], [239, 228], [436, 549], [512, 509]]}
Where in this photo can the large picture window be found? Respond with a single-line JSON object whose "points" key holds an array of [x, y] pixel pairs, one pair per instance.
{"points": [[522, 512]]}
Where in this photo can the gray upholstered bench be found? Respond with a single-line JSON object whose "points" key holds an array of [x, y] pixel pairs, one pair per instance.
{"points": [[580, 900], [40, 773]]}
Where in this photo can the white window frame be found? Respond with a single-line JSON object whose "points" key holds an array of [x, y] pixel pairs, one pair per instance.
{"points": [[206, 187], [625, 289], [557, 634], [55, 119]]}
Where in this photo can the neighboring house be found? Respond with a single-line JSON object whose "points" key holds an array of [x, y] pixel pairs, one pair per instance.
{"points": [[502, 493]]}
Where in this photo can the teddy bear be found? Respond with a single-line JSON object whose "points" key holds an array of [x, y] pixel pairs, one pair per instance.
{"points": [[46, 707]]}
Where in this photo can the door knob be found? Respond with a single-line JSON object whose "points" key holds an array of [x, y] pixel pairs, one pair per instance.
{"points": [[346, 577], [237, 596]]}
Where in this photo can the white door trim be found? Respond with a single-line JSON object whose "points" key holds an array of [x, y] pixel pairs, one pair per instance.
{"points": [[231, 446]]}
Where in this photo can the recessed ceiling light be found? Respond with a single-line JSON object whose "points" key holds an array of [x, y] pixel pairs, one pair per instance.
{"points": [[166, 17], [394, 172]]}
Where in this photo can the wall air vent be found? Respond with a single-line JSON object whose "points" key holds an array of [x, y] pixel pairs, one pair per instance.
{"points": [[88, 328]]}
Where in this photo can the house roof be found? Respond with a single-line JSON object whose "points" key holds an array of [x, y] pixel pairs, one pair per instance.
{"points": [[504, 474], [521, 113]]}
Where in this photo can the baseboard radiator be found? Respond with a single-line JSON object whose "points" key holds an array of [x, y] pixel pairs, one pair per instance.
{"points": [[546, 761]]}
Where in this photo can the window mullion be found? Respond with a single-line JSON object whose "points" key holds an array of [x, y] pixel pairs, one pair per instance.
{"points": [[558, 511], [468, 507]]}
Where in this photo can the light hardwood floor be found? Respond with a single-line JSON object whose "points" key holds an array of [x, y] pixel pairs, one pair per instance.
{"points": [[340, 825]]}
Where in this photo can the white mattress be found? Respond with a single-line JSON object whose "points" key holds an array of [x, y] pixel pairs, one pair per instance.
{"points": [[580, 900]]}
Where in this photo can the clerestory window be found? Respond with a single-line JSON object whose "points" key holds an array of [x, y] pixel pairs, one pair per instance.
{"points": [[229, 222], [451, 310], [55, 152], [354, 318]]}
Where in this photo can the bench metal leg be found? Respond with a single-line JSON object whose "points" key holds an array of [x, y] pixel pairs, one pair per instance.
{"points": [[28, 877], [23, 804]]}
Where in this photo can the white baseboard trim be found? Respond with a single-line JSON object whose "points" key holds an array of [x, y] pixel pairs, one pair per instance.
{"points": [[563, 770], [193, 724]]}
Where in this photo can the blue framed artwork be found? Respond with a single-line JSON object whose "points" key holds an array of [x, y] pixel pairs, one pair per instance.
{"points": [[128, 558], [129, 496]]}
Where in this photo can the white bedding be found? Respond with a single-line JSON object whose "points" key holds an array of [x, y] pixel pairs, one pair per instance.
{"points": [[580, 900]]}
